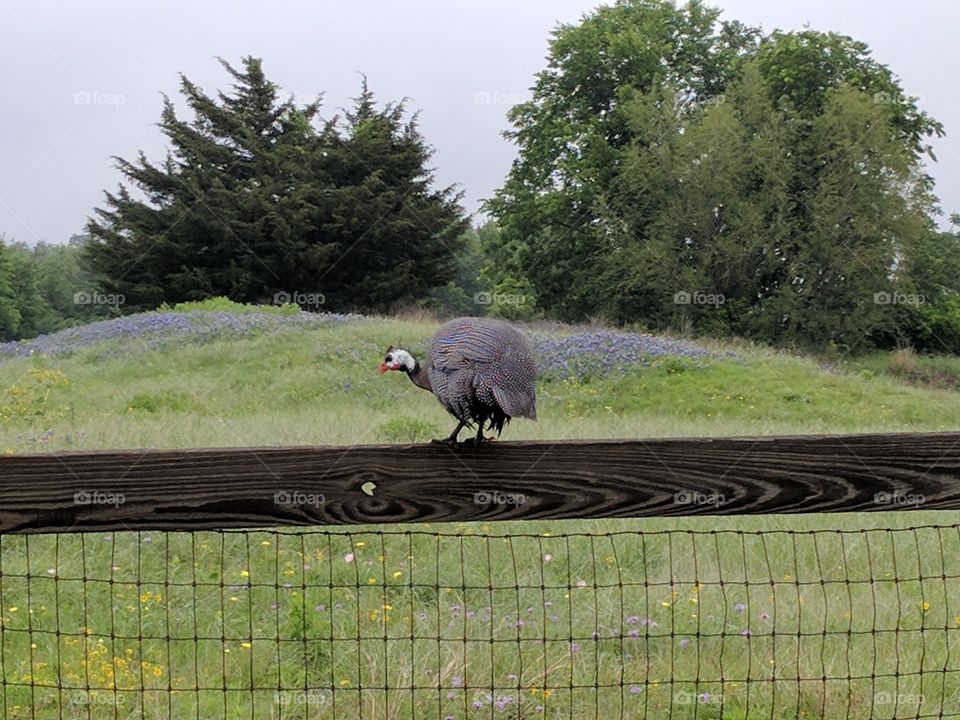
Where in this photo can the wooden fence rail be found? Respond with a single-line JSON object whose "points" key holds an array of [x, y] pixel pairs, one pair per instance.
{"points": [[258, 487]]}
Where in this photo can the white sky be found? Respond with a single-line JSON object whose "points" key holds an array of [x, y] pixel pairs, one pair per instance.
{"points": [[55, 152]]}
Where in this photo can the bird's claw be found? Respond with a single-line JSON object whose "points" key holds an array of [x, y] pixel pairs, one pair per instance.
{"points": [[475, 442], [468, 443]]}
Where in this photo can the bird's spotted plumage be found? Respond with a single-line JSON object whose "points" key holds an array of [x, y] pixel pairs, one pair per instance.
{"points": [[482, 371]]}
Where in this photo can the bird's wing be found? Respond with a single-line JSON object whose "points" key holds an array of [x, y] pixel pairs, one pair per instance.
{"points": [[462, 342], [492, 358]]}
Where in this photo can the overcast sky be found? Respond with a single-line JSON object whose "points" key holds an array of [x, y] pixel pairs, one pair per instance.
{"points": [[82, 81]]}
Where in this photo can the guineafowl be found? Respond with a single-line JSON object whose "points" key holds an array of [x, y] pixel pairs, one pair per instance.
{"points": [[481, 370]]}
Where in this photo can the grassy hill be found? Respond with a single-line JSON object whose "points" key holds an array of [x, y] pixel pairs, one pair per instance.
{"points": [[243, 376], [640, 608]]}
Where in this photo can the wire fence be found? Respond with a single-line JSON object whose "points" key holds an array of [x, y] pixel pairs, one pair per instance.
{"points": [[422, 624]]}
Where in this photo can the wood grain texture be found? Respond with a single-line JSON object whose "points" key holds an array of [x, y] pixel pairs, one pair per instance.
{"points": [[265, 487]]}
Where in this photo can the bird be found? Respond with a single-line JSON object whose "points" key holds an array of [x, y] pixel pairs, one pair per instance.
{"points": [[480, 369]]}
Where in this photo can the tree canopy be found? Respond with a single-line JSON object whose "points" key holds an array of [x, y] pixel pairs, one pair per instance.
{"points": [[259, 198], [666, 153]]}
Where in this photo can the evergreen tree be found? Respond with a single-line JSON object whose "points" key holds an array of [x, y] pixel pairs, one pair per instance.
{"points": [[254, 199], [391, 237]]}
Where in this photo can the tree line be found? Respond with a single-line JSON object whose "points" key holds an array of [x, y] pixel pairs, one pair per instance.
{"points": [[675, 171], [45, 288]]}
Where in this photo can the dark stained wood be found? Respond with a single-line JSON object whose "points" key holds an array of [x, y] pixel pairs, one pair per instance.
{"points": [[242, 487]]}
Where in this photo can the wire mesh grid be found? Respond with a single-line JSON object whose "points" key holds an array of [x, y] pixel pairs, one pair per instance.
{"points": [[422, 624]]}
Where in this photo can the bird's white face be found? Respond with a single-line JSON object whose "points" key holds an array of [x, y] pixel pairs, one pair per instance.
{"points": [[397, 359]]}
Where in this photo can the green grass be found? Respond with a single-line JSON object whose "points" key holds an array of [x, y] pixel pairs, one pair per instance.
{"points": [[321, 387], [854, 604]]}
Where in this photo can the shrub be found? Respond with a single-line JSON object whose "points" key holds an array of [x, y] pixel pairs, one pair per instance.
{"points": [[407, 430]]}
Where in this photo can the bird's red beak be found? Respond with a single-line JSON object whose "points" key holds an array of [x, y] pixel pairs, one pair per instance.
{"points": [[383, 368]]}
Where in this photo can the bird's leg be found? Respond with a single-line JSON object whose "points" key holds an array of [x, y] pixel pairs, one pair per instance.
{"points": [[478, 440], [452, 439]]}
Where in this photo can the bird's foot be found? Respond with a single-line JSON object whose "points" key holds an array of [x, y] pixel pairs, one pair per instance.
{"points": [[475, 442], [448, 441]]}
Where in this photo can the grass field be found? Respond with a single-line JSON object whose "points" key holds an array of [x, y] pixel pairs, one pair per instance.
{"points": [[805, 616]]}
